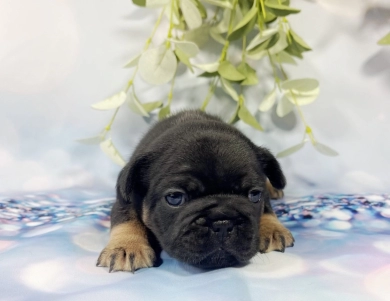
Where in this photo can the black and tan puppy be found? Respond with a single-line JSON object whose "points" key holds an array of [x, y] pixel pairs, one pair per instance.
{"points": [[200, 190]]}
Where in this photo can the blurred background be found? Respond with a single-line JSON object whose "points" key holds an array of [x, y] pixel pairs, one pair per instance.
{"points": [[59, 57]]}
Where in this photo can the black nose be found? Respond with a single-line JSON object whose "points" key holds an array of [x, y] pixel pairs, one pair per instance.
{"points": [[222, 228]]}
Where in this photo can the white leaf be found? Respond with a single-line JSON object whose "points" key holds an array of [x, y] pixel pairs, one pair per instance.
{"points": [[302, 85], [212, 67], [189, 48], [223, 25], [156, 3], [221, 3], [284, 107], [191, 14], [261, 37], [112, 102], [227, 86], [325, 150], [280, 45], [158, 65], [290, 150], [110, 150], [175, 17], [136, 106], [302, 98], [268, 101], [285, 58], [91, 140], [217, 37], [133, 61]]}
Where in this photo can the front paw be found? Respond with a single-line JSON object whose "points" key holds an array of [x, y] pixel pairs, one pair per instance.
{"points": [[273, 235], [127, 256]]}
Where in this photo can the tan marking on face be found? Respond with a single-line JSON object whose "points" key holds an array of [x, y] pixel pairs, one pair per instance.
{"points": [[128, 248], [273, 235]]}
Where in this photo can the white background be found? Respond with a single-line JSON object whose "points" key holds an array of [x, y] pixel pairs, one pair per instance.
{"points": [[59, 57]]}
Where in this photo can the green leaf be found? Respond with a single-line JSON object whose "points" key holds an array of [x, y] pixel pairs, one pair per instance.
{"points": [[199, 35], [158, 65], [184, 58], [136, 106], [208, 74], [284, 58], [220, 3], [249, 73], [211, 67], [234, 117], [217, 37], [385, 40], [268, 101], [164, 112], [189, 48], [223, 25], [284, 107], [299, 40], [248, 118], [290, 150], [133, 61], [191, 14], [151, 106], [302, 98], [325, 150], [301, 85], [241, 29], [280, 45], [175, 15], [228, 88], [202, 9], [228, 71], [110, 150], [280, 10], [111, 103], [264, 46], [261, 37], [140, 2]]}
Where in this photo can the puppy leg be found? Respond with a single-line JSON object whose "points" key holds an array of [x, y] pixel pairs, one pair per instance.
{"points": [[273, 235], [128, 248], [273, 192]]}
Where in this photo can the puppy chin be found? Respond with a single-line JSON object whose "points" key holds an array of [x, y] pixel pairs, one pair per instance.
{"points": [[218, 259]]}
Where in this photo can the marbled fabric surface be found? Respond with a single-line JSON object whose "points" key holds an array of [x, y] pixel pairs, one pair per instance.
{"points": [[49, 244]]}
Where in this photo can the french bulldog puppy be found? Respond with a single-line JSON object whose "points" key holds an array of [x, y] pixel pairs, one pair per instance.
{"points": [[200, 190]]}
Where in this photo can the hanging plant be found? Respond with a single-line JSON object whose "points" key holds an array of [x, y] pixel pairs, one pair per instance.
{"points": [[191, 22]]}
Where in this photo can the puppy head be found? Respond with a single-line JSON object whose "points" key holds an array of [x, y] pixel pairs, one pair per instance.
{"points": [[203, 199]]}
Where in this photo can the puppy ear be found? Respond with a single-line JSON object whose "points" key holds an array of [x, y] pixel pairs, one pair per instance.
{"points": [[271, 168], [131, 184]]}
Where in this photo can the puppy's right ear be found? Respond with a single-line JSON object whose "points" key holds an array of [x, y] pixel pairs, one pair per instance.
{"points": [[132, 185]]}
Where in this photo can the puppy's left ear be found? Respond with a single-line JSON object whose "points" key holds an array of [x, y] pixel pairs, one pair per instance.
{"points": [[132, 181], [271, 168]]}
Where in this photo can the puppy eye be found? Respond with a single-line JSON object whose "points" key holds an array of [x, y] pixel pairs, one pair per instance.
{"points": [[176, 198], [254, 196]]}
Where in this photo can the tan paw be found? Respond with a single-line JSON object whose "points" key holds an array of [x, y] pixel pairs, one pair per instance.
{"points": [[126, 257], [273, 235]]}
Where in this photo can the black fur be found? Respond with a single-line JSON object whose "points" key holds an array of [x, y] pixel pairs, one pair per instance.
{"points": [[216, 166]]}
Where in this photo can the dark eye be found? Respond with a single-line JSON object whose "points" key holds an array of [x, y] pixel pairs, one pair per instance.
{"points": [[176, 198], [254, 196]]}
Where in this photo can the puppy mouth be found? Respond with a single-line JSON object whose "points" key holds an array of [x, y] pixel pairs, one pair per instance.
{"points": [[220, 258]]}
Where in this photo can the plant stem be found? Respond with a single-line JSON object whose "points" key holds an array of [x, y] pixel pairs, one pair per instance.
{"points": [[308, 129], [170, 94], [210, 93], [168, 43], [260, 17], [277, 80], [263, 8], [231, 21], [244, 49]]}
